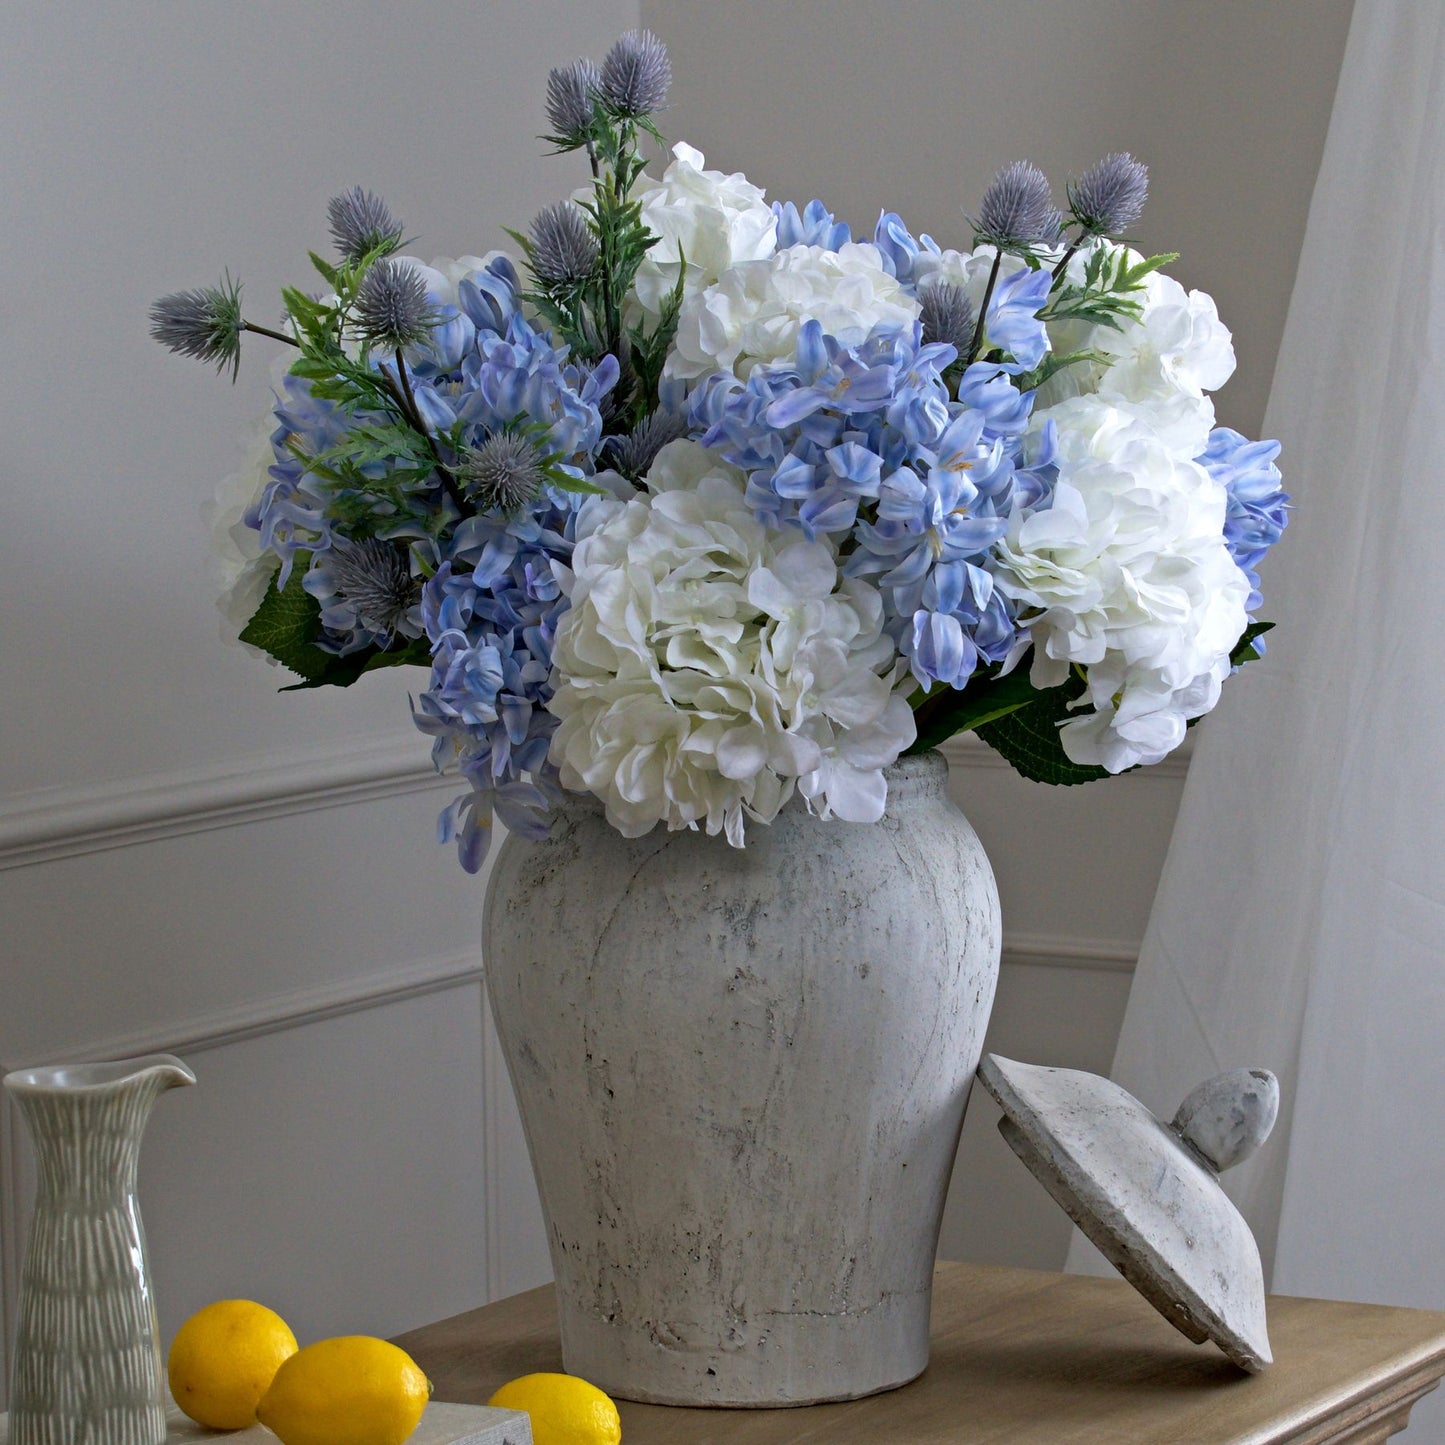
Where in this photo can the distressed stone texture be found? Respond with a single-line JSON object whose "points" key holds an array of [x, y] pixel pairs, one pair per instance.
{"points": [[742, 1075]]}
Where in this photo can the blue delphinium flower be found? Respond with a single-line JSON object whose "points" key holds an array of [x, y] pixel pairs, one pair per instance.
{"points": [[491, 611], [815, 227], [1012, 323], [1258, 509]]}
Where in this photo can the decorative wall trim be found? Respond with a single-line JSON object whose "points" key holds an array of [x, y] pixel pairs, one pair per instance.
{"points": [[67, 822], [230, 1026], [1047, 950], [70, 822]]}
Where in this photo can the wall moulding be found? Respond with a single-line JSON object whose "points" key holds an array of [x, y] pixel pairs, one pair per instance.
{"points": [[69, 822]]}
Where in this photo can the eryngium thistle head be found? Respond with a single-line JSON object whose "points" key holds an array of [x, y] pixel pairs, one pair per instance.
{"points": [[633, 454], [373, 577], [563, 246], [504, 473], [1017, 209], [570, 92], [636, 74], [1109, 197], [391, 306], [362, 223], [204, 323], [947, 315]]}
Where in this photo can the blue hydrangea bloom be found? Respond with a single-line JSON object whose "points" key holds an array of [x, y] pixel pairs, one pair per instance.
{"points": [[1258, 509], [864, 444]]}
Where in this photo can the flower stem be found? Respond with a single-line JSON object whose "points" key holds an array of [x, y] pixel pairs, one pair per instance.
{"points": [[409, 409], [983, 307], [274, 335], [1068, 255]]}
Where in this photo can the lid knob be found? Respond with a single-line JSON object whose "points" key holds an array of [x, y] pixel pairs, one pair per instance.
{"points": [[1229, 1116]]}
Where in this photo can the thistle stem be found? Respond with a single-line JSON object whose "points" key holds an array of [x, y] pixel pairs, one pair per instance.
{"points": [[409, 409], [983, 307], [274, 335], [1068, 255]]}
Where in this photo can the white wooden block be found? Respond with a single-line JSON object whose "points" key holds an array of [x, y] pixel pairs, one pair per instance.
{"points": [[441, 1424]]}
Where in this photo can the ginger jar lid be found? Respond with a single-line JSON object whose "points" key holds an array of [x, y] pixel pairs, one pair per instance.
{"points": [[1148, 1193]]}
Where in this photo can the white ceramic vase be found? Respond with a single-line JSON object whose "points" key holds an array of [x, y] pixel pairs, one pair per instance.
{"points": [[87, 1365], [742, 1076]]}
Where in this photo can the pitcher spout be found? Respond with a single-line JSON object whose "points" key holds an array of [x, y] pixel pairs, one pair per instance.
{"points": [[164, 1070]]}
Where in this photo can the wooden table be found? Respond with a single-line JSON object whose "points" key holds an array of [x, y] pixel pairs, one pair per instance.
{"points": [[1030, 1357]]}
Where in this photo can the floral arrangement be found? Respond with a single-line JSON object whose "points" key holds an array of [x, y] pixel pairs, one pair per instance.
{"points": [[702, 502]]}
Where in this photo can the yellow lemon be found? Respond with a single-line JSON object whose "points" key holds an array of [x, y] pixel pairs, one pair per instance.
{"points": [[223, 1359], [352, 1390], [565, 1410]]}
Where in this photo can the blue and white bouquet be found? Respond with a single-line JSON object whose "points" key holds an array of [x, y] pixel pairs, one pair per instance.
{"points": [[700, 502]]}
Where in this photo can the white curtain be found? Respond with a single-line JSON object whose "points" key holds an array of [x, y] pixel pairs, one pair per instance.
{"points": [[1300, 920]]}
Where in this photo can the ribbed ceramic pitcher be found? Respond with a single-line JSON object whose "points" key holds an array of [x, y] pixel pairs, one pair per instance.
{"points": [[88, 1367]]}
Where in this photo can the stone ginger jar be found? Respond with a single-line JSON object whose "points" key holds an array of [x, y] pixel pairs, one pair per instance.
{"points": [[742, 1075]]}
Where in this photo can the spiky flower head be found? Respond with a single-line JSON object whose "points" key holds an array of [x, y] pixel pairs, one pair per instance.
{"points": [[204, 323], [373, 578], [571, 90], [563, 246], [504, 473], [633, 454], [636, 74], [947, 315], [1109, 197], [362, 223], [391, 306], [1017, 208]]}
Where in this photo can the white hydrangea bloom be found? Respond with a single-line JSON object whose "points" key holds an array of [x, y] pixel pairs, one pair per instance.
{"points": [[240, 570], [708, 667], [1128, 575], [754, 312], [709, 220], [1159, 366], [968, 269]]}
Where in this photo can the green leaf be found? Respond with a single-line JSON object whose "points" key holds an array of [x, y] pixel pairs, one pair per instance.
{"points": [[328, 272], [950, 710], [1244, 649], [285, 624], [1028, 738], [343, 671]]}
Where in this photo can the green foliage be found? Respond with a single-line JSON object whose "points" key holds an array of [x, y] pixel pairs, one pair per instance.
{"points": [[1244, 649], [947, 711], [1110, 292], [1028, 737]]}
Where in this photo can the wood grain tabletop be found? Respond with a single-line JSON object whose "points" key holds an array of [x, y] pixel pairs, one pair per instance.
{"points": [[1035, 1358]]}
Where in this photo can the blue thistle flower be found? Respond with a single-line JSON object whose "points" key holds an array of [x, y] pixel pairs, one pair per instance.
{"points": [[947, 315], [571, 91], [635, 453], [636, 74], [204, 323], [366, 591], [564, 250], [1109, 197], [504, 474], [1017, 208], [392, 307], [362, 223]]}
